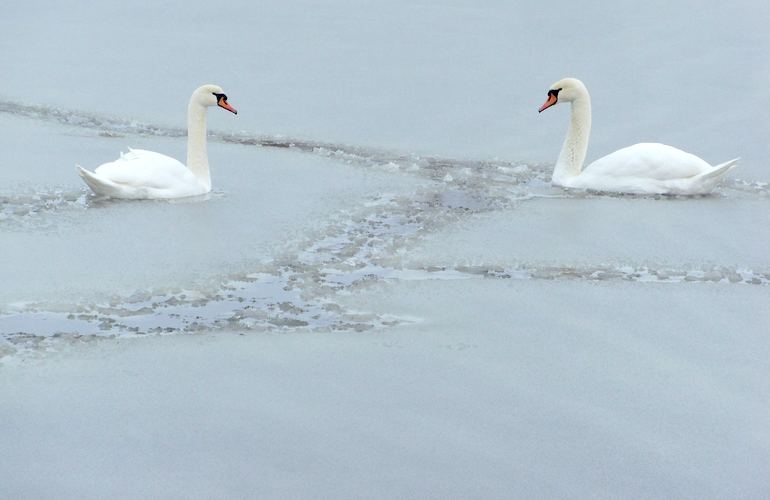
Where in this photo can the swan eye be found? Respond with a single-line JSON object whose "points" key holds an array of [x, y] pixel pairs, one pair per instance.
{"points": [[554, 92], [220, 96]]}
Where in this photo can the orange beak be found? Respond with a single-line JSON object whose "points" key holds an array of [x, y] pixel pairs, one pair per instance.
{"points": [[223, 104], [552, 99]]}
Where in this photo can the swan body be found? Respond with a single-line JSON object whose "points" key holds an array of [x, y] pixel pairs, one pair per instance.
{"points": [[142, 174], [645, 168]]}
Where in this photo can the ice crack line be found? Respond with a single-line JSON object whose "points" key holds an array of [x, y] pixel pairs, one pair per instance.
{"points": [[495, 174], [21, 208], [296, 290], [643, 274]]}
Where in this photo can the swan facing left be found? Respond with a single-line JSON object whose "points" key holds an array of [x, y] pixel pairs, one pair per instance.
{"points": [[645, 168], [141, 174]]}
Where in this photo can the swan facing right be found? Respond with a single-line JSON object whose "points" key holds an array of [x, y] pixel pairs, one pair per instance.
{"points": [[645, 168], [141, 174]]}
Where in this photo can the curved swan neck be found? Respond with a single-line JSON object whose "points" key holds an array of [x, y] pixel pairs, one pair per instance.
{"points": [[197, 158], [573, 152]]}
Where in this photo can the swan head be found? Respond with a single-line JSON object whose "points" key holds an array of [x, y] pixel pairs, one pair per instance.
{"points": [[565, 90], [212, 95]]}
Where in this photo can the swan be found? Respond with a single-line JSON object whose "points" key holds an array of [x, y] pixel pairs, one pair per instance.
{"points": [[141, 174], [645, 168]]}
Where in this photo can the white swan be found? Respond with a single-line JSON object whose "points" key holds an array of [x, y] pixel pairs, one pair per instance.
{"points": [[141, 174], [644, 168]]}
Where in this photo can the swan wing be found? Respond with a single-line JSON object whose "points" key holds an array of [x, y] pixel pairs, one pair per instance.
{"points": [[651, 161], [146, 169]]}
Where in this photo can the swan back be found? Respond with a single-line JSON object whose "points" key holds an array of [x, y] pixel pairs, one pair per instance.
{"points": [[649, 160], [140, 167]]}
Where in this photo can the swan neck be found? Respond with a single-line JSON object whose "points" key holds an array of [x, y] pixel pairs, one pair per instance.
{"points": [[197, 157], [573, 152]]}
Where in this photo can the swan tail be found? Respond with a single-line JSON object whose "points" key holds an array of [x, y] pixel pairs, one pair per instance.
{"points": [[97, 184], [704, 183], [719, 170]]}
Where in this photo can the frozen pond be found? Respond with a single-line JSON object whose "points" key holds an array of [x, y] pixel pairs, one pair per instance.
{"points": [[383, 293]]}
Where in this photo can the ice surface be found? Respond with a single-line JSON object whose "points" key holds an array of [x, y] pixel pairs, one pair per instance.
{"points": [[496, 389], [700, 232], [420, 313]]}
